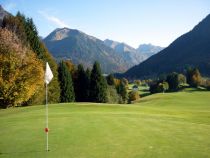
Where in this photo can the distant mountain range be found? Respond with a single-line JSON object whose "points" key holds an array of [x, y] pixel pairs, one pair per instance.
{"points": [[81, 48], [149, 49], [131, 54], [65, 43], [189, 50]]}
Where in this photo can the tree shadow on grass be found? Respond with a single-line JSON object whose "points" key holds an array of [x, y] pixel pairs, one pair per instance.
{"points": [[21, 152], [145, 94], [199, 89]]}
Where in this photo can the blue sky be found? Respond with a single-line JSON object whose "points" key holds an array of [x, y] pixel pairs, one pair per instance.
{"points": [[131, 21]]}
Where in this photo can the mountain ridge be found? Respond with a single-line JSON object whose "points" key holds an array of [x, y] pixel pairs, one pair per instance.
{"points": [[65, 43], [191, 49], [73, 44], [130, 53]]}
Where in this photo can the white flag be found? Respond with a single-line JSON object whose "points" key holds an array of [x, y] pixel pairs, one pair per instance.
{"points": [[48, 74]]}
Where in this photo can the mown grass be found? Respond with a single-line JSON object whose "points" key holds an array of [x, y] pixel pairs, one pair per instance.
{"points": [[171, 125]]}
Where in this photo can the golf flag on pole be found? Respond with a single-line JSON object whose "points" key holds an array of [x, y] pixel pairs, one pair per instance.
{"points": [[48, 74], [47, 79]]}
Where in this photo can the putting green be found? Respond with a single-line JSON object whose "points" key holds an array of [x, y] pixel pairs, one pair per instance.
{"points": [[173, 125]]}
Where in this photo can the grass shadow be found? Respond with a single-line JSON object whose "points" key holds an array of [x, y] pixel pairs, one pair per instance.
{"points": [[145, 94], [21, 152], [198, 89]]}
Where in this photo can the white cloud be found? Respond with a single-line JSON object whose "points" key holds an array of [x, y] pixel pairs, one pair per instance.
{"points": [[53, 19], [9, 6]]}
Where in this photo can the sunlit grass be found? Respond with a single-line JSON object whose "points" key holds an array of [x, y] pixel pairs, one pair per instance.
{"points": [[171, 125]]}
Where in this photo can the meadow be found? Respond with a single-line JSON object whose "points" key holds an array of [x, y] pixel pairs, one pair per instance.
{"points": [[170, 125]]}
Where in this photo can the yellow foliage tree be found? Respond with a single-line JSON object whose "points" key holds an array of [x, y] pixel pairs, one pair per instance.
{"points": [[133, 95], [21, 72]]}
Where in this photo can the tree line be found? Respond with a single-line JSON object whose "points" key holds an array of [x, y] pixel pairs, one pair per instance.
{"points": [[176, 81], [80, 85], [22, 65]]}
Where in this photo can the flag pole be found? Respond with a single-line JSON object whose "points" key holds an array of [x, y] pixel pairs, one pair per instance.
{"points": [[46, 129], [48, 78]]}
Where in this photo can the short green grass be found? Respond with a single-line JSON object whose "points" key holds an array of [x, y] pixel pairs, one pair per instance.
{"points": [[170, 125]]}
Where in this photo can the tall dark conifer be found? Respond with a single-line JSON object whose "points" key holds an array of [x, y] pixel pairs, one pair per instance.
{"points": [[66, 84], [87, 91], [98, 85], [82, 84]]}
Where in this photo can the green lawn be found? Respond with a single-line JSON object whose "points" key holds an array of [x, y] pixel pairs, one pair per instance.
{"points": [[173, 125]]}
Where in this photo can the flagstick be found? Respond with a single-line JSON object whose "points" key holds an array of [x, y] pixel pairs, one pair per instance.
{"points": [[47, 148], [48, 78]]}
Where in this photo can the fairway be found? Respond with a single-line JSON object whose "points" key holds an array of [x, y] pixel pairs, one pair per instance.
{"points": [[173, 125]]}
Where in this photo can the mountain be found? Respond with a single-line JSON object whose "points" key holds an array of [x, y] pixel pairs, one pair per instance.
{"points": [[65, 43], [134, 56], [149, 49], [189, 50], [127, 52], [3, 13]]}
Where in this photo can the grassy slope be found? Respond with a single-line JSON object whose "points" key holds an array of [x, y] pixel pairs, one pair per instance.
{"points": [[171, 125]]}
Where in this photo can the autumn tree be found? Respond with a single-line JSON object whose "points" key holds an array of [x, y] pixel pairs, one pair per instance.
{"points": [[137, 82], [133, 95], [70, 66], [21, 72], [193, 77], [27, 33]]}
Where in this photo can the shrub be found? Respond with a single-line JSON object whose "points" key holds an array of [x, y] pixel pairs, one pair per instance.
{"points": [[112, 95], [133, 95], [159, 87], [122, 91]]}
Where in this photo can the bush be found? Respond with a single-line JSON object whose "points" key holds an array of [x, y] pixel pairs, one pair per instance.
{"points": [[133, 95], [159, 87], [207, 84], [122, 91], [175, 81], [162, 87], [112, 95]]}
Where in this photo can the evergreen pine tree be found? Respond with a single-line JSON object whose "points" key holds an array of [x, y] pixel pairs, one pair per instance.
{"points": [[88, 73], [98, 85], [66, 84], [87, 78], [82, 84]]}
